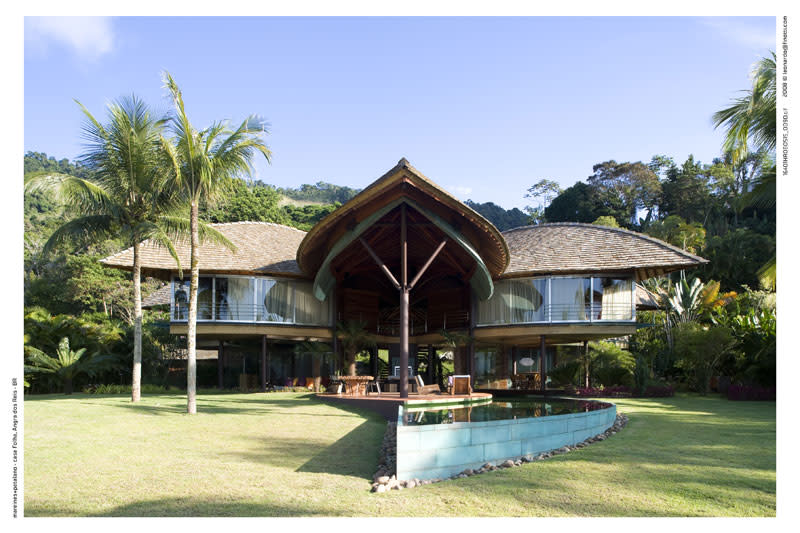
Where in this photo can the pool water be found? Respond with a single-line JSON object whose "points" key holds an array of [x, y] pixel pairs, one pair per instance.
{"points": [[510, 409]]}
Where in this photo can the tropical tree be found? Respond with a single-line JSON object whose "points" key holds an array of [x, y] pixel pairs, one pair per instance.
{"points": [[355, 339], [751, 124], [201, 161], [543, 191], [750, 119], [127, 195], [635, 183], [65, 366]]}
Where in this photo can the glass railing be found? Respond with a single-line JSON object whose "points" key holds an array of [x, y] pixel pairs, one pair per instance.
{"points": [[558, 299], [251, 313]]}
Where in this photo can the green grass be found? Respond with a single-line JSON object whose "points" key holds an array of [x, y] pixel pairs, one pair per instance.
{"points": [[290, 454]]}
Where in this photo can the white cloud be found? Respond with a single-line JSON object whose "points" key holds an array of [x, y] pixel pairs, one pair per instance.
{"points": [[88, 37], [743, 31]]}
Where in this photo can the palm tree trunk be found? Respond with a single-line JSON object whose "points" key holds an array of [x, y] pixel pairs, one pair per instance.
{"points": [[191, 330], [316, 367], [136, 383]]}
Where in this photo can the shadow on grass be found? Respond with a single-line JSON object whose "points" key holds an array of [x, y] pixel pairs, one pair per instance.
{"points": [[190, 507], [354, 454], [215, 405]]}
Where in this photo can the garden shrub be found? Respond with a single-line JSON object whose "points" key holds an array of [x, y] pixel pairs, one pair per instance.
{"points": [[751, 393], [610, 365], [565, 373], [700, 349]]}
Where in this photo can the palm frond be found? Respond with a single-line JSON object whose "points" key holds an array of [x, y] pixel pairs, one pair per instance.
{"points": [[80, 231]]}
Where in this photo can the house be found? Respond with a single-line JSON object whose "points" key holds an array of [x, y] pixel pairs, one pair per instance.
{"points": [[410, 260]]}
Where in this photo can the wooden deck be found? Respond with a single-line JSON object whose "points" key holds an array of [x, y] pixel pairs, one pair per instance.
{"points": [[386, 403]]}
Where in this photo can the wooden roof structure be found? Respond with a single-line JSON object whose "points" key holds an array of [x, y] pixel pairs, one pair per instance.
{"points": [[404, 181], [265, 248], [261, 248], [574, 248]]}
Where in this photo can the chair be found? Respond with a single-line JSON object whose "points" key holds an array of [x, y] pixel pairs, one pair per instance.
{"points": [[460, 385], [426, 389], [374, 384]]}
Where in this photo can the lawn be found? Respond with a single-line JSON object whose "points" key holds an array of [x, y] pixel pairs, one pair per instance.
{"points": [[286, 454]]}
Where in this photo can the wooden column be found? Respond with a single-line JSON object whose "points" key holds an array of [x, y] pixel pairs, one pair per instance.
{"points": [[543, 361], [429, 379], [220, 365], [335, 338], [263, 363], [471, 348], [403, 304], [586, 364], [373, 359]]}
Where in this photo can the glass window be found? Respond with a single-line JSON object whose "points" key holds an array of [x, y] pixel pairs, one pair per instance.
{"points": [[527, 300], [234, 299], [613, 299], [492, 368], [309, 310], [274, 301], [515, 302], [570, 298], [180, 309]]}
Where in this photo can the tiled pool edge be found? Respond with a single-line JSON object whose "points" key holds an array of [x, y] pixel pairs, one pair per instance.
{"points": [[442, 450]]}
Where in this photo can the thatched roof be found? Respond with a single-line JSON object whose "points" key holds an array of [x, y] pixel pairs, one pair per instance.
{"points": [[404, 181], [564, 248], [262, 248]]}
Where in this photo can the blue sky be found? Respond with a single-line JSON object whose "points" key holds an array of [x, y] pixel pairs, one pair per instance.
{"points": [[483, 106]]}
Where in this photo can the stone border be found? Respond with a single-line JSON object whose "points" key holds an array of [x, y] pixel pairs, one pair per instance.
{"points": [[385, 477]]}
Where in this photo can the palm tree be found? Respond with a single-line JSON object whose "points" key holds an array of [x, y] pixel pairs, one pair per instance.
{"points": [[127, 195], [65, 366], [355, 338], [201, 162], [752, 117]]}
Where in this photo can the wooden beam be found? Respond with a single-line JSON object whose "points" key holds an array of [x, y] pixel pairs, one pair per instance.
{"points": [[445, 254], [427, 264], [380, 264]]}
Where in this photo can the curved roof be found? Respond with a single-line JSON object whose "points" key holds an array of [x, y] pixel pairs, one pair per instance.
{"points": [[481, 280], [401, 181], [262, 248], [573, 248]]}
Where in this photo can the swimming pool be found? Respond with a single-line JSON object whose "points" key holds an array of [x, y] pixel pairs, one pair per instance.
{"points": [[510, 409], [440, 441]]}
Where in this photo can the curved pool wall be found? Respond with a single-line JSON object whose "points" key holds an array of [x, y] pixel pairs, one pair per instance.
{"points": [[442, 450]]}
